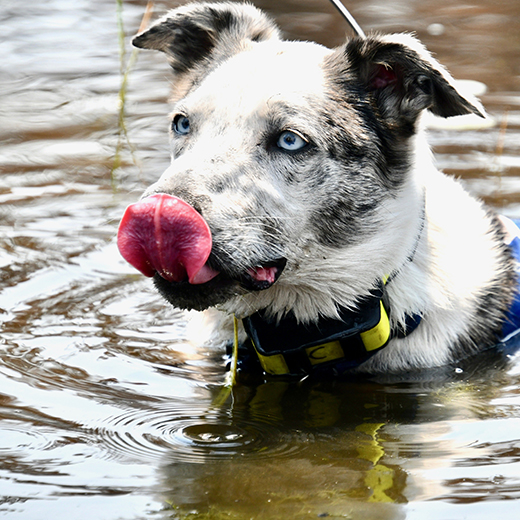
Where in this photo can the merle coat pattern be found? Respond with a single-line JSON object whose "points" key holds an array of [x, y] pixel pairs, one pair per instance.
{"points": [[310, 164]]}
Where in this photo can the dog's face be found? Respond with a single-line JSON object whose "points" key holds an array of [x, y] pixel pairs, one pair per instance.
{"points": [[300, 159]]}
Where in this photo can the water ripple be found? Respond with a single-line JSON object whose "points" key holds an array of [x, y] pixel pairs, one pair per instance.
{"points": [[24, 437], [174, 435]]}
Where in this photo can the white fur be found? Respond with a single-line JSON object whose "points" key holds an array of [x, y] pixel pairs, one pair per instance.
{"points": [[440, 283], [455, 256]]}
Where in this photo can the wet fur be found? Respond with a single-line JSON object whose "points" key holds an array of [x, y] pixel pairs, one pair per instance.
{"points": [[346, 210]]}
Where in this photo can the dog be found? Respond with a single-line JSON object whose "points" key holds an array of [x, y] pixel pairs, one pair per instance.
{"points": [[303, 199]]}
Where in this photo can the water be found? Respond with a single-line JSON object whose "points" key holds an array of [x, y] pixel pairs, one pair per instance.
{"points": [[106, 408]]}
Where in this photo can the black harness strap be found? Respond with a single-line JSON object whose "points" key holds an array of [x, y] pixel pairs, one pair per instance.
{"points": [[286, 346]]}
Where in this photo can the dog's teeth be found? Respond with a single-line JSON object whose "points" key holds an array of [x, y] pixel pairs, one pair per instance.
{"points": [[263, 274]]}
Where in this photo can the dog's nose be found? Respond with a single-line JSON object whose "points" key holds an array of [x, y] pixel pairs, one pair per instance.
{"points": [[165, 235]]}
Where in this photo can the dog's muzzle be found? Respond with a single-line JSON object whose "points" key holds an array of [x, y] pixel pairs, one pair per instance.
{"points": [[165, 236]]}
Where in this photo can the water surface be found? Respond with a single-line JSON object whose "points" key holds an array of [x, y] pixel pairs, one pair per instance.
{"points": [[106, 408]]}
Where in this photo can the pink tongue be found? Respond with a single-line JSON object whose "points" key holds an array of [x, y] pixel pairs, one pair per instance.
{"points": [[166, 235]]}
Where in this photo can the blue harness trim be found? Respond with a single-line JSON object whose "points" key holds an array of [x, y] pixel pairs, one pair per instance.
{"points": [[512, 323]]}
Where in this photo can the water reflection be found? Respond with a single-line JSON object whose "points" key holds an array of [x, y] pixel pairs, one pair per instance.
{"points": [[325, 449], [287, 451], [106, 407]]}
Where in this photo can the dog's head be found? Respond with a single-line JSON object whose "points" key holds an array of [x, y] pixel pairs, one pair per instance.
{"points": [[295, 165]]}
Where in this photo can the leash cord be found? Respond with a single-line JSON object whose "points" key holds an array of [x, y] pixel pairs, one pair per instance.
{"points": [[349, 18], [234, 361], [231, 376]]}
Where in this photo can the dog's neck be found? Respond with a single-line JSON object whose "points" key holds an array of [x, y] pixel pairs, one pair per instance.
{"points": [[411, 256], [286, 346]]}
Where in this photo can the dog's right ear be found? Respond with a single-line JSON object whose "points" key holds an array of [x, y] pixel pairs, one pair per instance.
{"points": [[402, 79], [202, 33]]}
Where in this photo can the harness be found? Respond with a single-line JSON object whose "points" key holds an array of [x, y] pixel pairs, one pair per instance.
{"points": [[287, 347], [334, 346], [511, 329]]}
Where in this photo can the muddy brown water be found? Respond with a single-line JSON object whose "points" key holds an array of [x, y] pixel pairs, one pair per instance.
{"points": [[107, 410]]}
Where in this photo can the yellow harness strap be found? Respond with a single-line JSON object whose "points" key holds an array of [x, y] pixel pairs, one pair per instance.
{"points": [[372, 339]]}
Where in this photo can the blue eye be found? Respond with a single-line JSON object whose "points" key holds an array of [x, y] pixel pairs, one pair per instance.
{"points": [[291, 141], [181, 124]]}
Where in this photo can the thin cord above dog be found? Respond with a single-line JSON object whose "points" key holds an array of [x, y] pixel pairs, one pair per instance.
{"points": [[349, 18]]}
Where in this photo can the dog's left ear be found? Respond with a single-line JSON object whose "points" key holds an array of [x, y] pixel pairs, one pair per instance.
{"points": [[197, 36], [403, 79]]}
